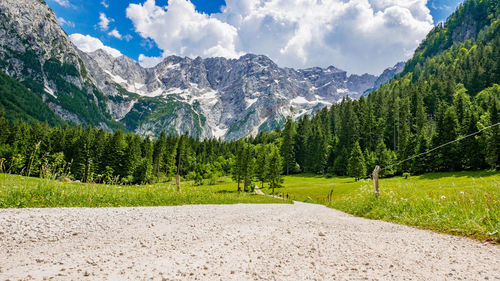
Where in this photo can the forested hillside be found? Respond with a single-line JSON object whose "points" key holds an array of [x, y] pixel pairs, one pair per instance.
{"points": [[18, 102], [450, 89]]}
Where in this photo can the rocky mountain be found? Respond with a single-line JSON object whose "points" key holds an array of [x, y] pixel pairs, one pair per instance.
{"points": [[212, 97], [35, 51]]}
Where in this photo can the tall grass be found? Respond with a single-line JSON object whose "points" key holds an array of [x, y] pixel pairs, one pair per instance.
{"points": [[464, 203], [24, 192]]}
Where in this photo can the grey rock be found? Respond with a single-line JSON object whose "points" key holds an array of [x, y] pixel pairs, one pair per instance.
{"points": [[211, 97]]}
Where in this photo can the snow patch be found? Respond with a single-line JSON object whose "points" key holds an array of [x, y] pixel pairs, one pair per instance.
{"points": [[300, 100], [155, 93], [250, 102], [208, 98], [117, 78], [173, 66], [49, 91], [219, 132]]}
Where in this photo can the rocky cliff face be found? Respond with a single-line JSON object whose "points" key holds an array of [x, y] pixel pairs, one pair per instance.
{"points": [[219, 97], [213, 97], [36, 51]]}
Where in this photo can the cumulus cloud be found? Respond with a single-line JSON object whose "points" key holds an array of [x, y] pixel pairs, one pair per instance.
{"points": [[128, 37], [115, 33], [180, 29], [89, 44], [356, 35], [64, 3], [105, 3], [146, 61], [104, 22], [64, 22]]}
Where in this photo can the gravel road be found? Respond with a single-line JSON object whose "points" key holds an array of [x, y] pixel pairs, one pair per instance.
{"points": [[230, 242]]}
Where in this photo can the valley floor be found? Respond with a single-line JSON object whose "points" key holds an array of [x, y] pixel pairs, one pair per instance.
{"points": [[230, 242]]}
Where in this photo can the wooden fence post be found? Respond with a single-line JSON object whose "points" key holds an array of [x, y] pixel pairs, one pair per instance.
{"points": [[375, 180]]}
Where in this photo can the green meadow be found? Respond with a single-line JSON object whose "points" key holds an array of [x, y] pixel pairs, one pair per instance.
{"points": [[25, 192], [461, 203]]}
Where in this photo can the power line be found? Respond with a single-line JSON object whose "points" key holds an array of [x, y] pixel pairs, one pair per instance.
{"points": [[440, 146], [436, 148]]}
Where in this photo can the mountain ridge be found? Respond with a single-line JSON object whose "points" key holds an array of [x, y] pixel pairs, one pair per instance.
{"points": [[211, 97]]}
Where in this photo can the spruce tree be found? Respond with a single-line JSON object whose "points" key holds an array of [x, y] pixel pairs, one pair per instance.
{"points": [[248, 167], [275, 167], [356, 167], [238, 168], [158, 151], [261, 164], [288, 146], [493, 137]]}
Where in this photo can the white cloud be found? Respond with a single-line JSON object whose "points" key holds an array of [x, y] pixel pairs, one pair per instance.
{"points": [[63, 22], [356, 35], [115, 33], [146, 61], [104, 22], [180, 29], [105, 4], [89, 44], [128, 37], [64, 3]]}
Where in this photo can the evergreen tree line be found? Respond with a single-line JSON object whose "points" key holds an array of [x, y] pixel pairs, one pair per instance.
{"points": [[94, 155], [448, 90], [354, 136]]}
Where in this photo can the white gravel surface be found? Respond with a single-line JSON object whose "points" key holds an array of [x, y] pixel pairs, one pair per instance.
{"points": [[230, 242]]}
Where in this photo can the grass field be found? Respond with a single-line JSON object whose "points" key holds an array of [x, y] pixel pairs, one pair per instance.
{"points": [[463, 203], [24, 192]]}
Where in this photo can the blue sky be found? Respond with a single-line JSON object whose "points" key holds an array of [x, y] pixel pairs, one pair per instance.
{"points": [[143, 32]]}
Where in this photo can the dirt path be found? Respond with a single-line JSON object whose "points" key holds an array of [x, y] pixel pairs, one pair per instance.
{"points": [[230, 242], [258, 191]]}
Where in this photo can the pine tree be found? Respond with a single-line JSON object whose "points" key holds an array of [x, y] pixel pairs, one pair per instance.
{"points": [[493, 137], [275, 166], [288, 146], [356, 167], [82, 166], [158, 151], [113, 154], [301, 144], [144, 171], [421, 164], [132, 158], [248, 167], [448, 157], [261, 163], [238, 168]]}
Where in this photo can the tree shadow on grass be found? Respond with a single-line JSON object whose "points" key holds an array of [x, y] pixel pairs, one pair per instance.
{"points": [[468, 174], [227, 191]]}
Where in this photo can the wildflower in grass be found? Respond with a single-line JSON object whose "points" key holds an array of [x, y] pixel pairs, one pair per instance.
{"points": [[443, 197], [462, 193]]}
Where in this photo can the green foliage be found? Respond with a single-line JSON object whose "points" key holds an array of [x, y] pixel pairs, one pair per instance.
{"points": [[275, 168], [18, 102], [93, 155], [243, 165], [462, 203], [288, 147], [356, 167], [24, 192]]}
